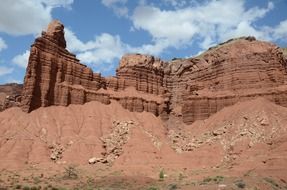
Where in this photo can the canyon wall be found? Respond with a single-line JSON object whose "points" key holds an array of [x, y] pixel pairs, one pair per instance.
{"points": [[235, 71], [189, 89]]}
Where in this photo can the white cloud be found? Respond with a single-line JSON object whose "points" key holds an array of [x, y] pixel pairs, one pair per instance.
{"points": [[105, 49], [22, 59], [118, 6], [2, 44], [58, 3], [176, 3], [153, 49], [280, 31], [209, 22], [5, 70], [22, 17], [101, 52]]}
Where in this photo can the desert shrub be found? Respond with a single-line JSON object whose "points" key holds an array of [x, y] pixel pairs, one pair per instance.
{"points": [[71, 173], [271, 181], [218, 179], [207, 180], [161, 175], [35, 188], [240, 184], [172, 186], [26, 188], [180, 176], [153, 188], [36, 180]]}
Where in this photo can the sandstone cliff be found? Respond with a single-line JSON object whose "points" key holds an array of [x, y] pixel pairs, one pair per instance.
{"points": [[189, 89], [238, 70], [54, 76]]}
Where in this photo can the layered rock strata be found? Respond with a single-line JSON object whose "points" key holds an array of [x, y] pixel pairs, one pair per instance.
{"points": [[236, 71], [189, 89], [54, 76]]}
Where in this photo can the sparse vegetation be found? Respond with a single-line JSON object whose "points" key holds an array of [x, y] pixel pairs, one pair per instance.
{"points": [[153, 188], [70, 173], [271, 181], [35, 188], [207, 180], [216, 179], [172, 187], [161, 175], [26, 188], [36, 180], [240, 184]]}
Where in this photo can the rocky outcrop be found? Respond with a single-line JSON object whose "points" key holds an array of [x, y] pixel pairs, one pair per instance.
{"points": [[54, 76], [143, 72], [189, 89], [10, 95], [235, 71]]}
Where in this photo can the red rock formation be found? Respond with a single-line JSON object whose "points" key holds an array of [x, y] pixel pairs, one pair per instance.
{"points": [[53, 73], [55, 77], [238, 70], [190, 89], [10, 95], [143, 72]]}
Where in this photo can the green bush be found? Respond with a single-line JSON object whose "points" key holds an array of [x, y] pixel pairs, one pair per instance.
{"points": [[161, 175], [153, 188]]}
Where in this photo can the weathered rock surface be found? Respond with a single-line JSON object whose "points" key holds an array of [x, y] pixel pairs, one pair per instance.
{"points": [[238, 70], [189, 89], [10, 95], [55, 77], [143, 72]]}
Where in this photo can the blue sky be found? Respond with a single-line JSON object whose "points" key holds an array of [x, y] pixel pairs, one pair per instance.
{"points": [[99, 32]]}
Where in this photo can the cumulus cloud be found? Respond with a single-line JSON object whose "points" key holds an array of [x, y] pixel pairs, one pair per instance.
{"points": [[209, 22], [2, 44], [118, 6], [22, 59], [22, 17], [280, 32], [102, 51], [105, 48], [5, 70]]}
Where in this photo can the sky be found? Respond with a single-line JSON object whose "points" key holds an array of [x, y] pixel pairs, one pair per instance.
{"points": [[100, 32]]}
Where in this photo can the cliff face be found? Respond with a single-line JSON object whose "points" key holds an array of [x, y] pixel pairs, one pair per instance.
{"points": [[238, 70], [189, 89], [55, 77], [52, 70]]}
